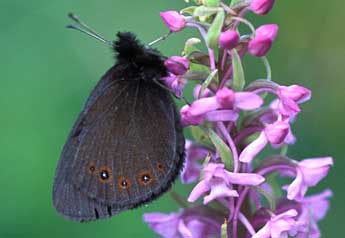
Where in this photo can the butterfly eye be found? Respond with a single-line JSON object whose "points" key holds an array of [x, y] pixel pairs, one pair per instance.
{"points": [[104, 174], [145, 177], [124, 183]]}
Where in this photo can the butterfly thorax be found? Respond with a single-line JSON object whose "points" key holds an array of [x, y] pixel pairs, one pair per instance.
{"points": [[136, 61]]}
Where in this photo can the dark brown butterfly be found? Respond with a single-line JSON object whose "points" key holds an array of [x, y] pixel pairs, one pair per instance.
{"points": [[127, 146]]}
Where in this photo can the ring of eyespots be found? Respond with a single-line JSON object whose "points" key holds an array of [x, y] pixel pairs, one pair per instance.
{"points": [[91, 168], [104, 174], [124, 183], [145, 177]]}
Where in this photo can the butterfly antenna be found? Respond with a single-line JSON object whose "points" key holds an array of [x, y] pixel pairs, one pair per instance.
{"points": [[160, 39], [84, 28]]}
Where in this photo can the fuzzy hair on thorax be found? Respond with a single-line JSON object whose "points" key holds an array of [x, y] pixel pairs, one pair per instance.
{"points": [[138, 59]]}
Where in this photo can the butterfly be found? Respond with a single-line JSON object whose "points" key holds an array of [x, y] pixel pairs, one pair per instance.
{"points": [[126, 147]]}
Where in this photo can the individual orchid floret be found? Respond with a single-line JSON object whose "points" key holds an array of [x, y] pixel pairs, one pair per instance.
{"points": [[313, 209], [194, 153], [175, 83], [287, 108], [262, 42], [185, 223], [225, 99], [174, 20], [294, 92], [278, 226], [177, 65], [229, 39], [261, 7], [218, 181], [290, 97], [167, 225], [188, 119], [308, 173], [241, 100], [275, 134]]}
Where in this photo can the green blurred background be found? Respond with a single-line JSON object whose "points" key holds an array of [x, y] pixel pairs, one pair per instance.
{"points": [[48, 71]]}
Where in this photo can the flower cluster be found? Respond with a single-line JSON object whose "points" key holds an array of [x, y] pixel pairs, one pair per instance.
{"points": [[237, 192]]}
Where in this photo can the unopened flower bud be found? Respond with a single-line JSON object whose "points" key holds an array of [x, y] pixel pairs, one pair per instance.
{"points": [[174, 20], [229, 39], [262, 42], [177, 65], [261, 7]]}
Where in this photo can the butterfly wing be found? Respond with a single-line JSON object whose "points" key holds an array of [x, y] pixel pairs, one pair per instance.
{"points": [[124, 150]]}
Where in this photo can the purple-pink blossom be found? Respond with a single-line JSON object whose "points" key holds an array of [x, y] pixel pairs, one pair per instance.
{"points": [[218, 181], [275, 134], [262, 42], [187, 223], [261, 7], [167, 225], [290, 97], [174, 83], [174, 20], [194, 154], [309, 172], [296, 93], [229, 39], [177, 65], [314, 209], [225, 99], [278, 226]]}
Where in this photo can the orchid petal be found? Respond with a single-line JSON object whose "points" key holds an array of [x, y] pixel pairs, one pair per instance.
{"points": [[248, 101], [295, 188], [219, 191], [222, 115], [201, 188], [203, 105], [245, 178], [253, 149], [183, 229]]}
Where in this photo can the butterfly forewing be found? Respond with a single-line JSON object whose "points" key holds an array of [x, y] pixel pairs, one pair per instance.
{"points": [[127, 145]]}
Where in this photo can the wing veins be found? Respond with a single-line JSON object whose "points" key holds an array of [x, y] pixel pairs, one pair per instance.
{"points": [[95, 122]]}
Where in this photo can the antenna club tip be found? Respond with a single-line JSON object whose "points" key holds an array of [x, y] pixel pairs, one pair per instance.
{"points": [[73, 17]]}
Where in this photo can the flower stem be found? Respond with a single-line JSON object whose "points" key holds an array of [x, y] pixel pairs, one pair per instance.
{"points": [[210, 51], [237, 211], [228, 9], [246, 223], [251, 27], [232, 145], [268, 67]]}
